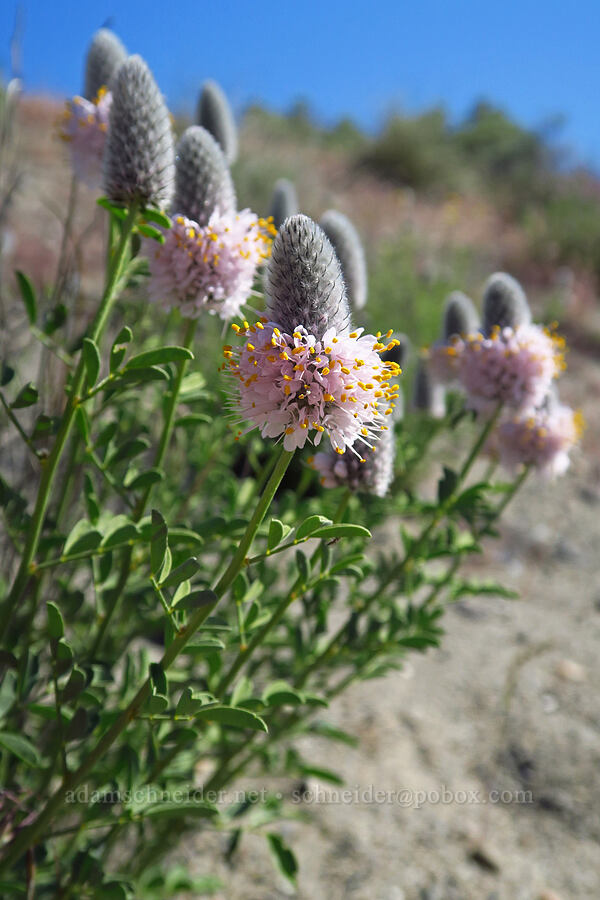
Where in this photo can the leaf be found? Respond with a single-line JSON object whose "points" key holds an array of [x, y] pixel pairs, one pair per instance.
{"points": [[321, 774], [232, 716], [158, 543], [342, 530], [188, 705], [125, 336], [138, 376], [447, 484], [119, 212], [82, 537], [158, 678], [45, 425], [284, 858], [173, 810], [74, 686], [186, 570], [7, 691], [156, 704], [241, 691], [144, 479], [27, 396], [203, 643], [79, 725], [20, 746], [153, 233], [277, 533], [56, 627], [55, 319], [7, 373], [64, 657], [303, 566], [193, 419], [128, 450], [280, 693], [196, 599], [159, 356], [28, 295], [91, 360], [156, 215], [310, 525]]}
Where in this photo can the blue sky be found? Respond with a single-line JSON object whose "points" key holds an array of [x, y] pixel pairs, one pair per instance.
{"points": [[536, 58]]}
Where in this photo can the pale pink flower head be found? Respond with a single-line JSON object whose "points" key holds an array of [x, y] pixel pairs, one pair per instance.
{"points": [[84, 128], [372, 474], [542, 439], [443, 360], [300, 387], [210, 267], [514, 367]]}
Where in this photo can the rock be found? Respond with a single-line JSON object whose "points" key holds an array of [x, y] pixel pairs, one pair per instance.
{"points": [[549, 895], [549, 703], [569, 670], [485, 856]]}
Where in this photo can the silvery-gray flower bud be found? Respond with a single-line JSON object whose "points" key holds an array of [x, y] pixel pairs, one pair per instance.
{"points": [[504, 303], [428, 395], [304, 283], [202, 179], [104, 57], [284, 202], [139, 160], [460, 316], [349, 249], [214, 113]]}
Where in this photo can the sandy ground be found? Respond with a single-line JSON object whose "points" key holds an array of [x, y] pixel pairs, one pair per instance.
{"points": [[501, 724]]}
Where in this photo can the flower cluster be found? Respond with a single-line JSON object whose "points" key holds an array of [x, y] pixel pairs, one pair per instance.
{"points": [[297, 386], [372, 474], [514, 367], [211, 267], [542, 438], [83, 128]]}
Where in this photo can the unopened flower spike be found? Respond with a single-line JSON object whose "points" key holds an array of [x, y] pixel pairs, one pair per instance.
{"points": [[105, 55], [203, 183], [429, 396], [284, 202], [371, 474], [139, 162], [304, 282], [504, 303], [460, 316], [459, 320], [303, 373], [214, 113], [349, 249]]}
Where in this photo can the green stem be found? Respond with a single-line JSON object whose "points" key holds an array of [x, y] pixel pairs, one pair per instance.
{"points": [[140, 506], [51, 464], [415, 548], [29, 835], [18, 426]]}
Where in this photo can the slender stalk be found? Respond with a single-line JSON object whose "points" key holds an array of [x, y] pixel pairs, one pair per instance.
{"points": [[456, 563], [51, 464], [140, 506], [28, 836], [415, 548]]}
